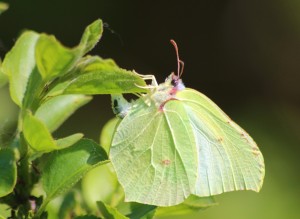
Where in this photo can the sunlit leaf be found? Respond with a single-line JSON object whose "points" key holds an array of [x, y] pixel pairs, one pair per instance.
{"points": [[107, 133], [65, 167], [3, 77], [37, 134], [109, 212], [3, 7], [52, 58], [102, 77], [8, 172], [56, 110], [19, 64], [68, 141], [91, 36], [101, 184]]}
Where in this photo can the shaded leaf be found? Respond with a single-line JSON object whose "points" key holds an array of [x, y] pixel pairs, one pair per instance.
{"points": [[52, 58], [109, 212], [19, 64], [191, 204], [34, 88], [65, 167], [138, 211], [91, 36], [67, 206], [87, 217], [56, 110], [8, 172]]}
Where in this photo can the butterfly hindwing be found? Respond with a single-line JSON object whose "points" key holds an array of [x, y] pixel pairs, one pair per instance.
{"points": [[228, 158]]}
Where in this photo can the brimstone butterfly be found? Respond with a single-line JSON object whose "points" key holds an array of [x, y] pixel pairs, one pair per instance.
{"points": [[174, 141]]}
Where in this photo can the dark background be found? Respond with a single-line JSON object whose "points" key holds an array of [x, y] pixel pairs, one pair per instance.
{"points": [[244, 55]]}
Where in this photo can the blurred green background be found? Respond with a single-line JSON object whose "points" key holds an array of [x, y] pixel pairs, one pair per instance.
{"points": [[244, 55]]}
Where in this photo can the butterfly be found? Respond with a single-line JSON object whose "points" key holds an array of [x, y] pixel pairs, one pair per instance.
{"points": [[174, 142]]}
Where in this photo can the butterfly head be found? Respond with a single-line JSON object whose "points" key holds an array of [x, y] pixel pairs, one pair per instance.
{"points": [[174, 79], [174, 82]]}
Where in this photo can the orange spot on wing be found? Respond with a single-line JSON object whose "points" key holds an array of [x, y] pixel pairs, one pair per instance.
{"points": [[166, 162]]}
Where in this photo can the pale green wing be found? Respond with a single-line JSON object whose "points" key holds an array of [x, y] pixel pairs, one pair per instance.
{"points": [[228, 157], [154, 154]]}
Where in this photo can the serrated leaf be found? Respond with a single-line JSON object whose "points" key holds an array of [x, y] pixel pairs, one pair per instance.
{"points": [[101, 77], [109, 212], [8, 172], [37, 134], [68, 141], [56, 110], [66, 167], [190, 205], [19, 64], [91, 36], [52, 58]]}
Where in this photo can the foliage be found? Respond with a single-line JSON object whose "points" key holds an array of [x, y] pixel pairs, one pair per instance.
{"points": [[49, 82]]}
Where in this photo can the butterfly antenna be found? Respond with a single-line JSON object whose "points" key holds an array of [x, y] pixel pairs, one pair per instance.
{"points": [[180, 64]]}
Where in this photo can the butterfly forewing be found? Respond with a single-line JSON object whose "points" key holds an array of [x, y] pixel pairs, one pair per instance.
{"points": [[154, 154], [228, 158]]}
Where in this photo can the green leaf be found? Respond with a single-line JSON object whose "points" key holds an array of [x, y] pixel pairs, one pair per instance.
{"points": [[37, 134], [91, 36], [19, 64], [65, 167], [8, 172], [68, 141], [98, 76], [67, 206], [109, 212], [139, 211], [3, 77], [56, 110], [190, 205], [105, 188], [107, 133], [87, 217], [34, 88], [52, 58], [3, 7]]}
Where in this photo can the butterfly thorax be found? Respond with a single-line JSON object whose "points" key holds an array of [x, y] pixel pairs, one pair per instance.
{"points": [[166, 91]]}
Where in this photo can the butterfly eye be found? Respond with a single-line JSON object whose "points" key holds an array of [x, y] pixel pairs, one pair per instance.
{"points": [[174, 82], [115, 104]]}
